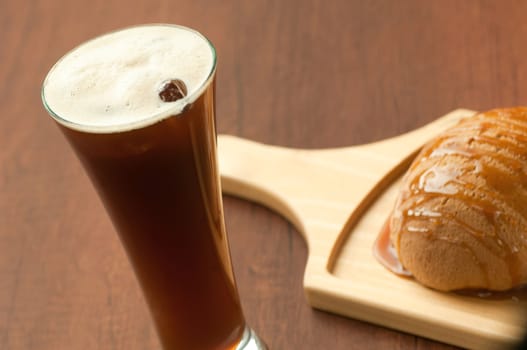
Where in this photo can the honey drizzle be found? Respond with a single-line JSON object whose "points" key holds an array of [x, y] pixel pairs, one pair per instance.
{"points": [[471, 139], [385, 253]]}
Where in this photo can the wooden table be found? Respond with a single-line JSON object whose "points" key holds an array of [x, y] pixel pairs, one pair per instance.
{"points": [[308, 74]]}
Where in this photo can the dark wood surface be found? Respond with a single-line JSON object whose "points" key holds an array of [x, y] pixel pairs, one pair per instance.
{"points": [[297, 73]]}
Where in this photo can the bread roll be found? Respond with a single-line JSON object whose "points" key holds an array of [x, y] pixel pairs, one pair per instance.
{"points": [[460, 221]]}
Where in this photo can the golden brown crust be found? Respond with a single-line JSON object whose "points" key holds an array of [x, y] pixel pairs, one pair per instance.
{"points": [[461, 218]]}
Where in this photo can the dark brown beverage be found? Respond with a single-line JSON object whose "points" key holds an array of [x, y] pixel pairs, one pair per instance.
{"points": [[160, 187], [137, 106]]}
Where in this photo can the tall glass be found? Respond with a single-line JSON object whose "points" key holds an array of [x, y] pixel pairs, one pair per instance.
{"points": [[159, 182]]}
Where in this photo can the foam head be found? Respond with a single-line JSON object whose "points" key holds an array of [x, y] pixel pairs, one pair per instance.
{"points": [[112, 83]]}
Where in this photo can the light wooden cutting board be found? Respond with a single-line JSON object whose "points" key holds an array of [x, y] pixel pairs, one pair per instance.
{"points": [[338, 199]]}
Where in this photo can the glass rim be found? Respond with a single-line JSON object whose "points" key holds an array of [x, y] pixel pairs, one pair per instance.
{"points": [[148, 119]]}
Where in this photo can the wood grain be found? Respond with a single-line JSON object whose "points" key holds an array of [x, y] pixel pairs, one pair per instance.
{"points": [[308, 74], [340, 208]]}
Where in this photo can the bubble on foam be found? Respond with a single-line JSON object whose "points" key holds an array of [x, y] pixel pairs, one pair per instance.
{"points": [[112, 82]]}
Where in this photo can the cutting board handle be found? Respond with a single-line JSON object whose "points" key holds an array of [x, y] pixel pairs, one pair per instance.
{"points": [[253, 171]]}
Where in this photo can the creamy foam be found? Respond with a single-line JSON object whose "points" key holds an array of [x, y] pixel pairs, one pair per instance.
{"points": [[112, 82]]}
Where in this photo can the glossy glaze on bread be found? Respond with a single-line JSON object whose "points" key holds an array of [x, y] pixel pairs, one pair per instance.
{"points": [[460, 221]]}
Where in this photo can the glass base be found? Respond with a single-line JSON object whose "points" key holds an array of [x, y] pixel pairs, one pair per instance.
{"points": [[250, 341]]}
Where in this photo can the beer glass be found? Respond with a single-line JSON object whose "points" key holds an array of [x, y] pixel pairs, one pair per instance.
{"points": [[158, 179]]}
